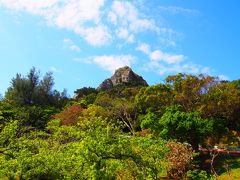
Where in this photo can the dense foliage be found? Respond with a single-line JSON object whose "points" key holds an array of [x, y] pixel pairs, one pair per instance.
{"points": [[31, 90], [121, 133]]}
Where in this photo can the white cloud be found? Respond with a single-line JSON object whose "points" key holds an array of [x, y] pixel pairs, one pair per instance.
{"points": [[74, 48], [54, 69], [128, 15], [96, 36], [223, 77], [75, 12], [72, 15], [125, 20], [112, 17], [142, 24], [109, 62], [131, 38], [178, 10], [34, 7], [87, 18], [128, 21], [158, 55], [122, 8], [67, 40], [186, 67], [166, 63], [68, 43], [145, 48], [123, 33]]}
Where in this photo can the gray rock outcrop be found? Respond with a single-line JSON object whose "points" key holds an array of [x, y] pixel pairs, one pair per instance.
{"points": [[123, 76]]}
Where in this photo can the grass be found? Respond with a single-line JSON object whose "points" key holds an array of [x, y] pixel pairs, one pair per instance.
{"points": [[228, 168], [231, 175]]}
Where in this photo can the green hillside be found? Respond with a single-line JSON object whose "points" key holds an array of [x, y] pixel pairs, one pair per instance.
{"points": [[128, 130]]}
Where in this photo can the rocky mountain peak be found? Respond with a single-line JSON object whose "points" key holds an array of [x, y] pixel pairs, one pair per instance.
{"points": [[123, 76]]}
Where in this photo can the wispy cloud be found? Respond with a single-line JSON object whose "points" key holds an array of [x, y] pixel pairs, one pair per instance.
{"points": [[128, 21], [223, 77], [55, 70], [123, 33], [178, 10], [185, 67], [109, 62], [96, 21], [145, 48], [34, 7], [101, 23], [96, 36], [68, 43], [166, 63], [160, 56], [86, 17], [72, 15]]}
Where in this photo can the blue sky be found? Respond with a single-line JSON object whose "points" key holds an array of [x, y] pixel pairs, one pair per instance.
{"points": [[83, 41]]}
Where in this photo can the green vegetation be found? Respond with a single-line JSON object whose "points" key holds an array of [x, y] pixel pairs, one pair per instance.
{"points": [[126, 132]]}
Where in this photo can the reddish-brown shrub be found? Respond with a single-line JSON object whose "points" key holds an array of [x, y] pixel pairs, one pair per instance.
{"points": [[179, 157], [70, 115]]}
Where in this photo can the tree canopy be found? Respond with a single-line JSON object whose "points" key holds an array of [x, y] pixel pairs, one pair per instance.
{"points": [[31, 90], [127, 132]]}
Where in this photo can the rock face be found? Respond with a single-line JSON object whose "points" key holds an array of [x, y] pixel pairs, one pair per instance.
{"points": [[123, 76]]}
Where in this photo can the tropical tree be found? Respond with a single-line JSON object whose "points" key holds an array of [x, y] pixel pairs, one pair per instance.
{"points": [[126, 112], [154, 98], [185, 126], [85, 91], [30, 90], [223, 101], [189, 89]]}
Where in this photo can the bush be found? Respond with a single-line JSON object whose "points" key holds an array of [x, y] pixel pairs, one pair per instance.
{"points": [[179, 159]]}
